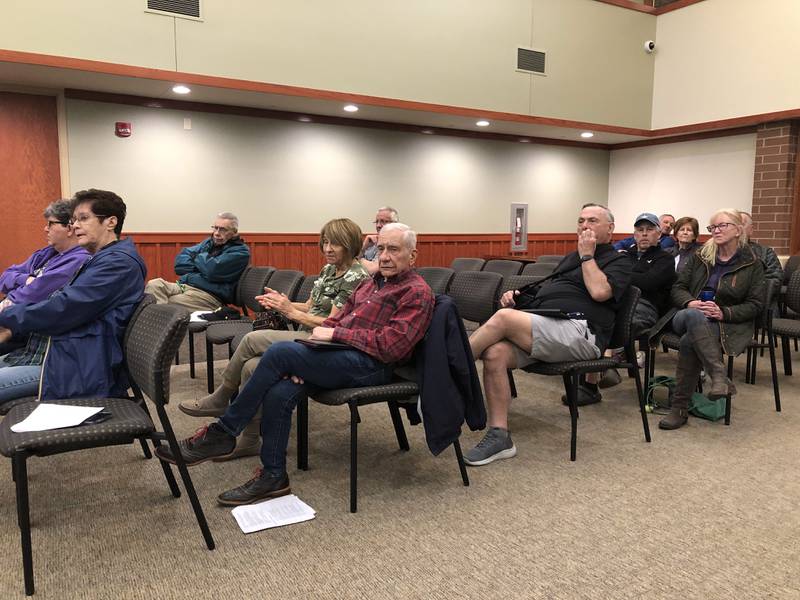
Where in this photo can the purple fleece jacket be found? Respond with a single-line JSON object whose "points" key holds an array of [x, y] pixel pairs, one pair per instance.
{"points": [[57, 272]]}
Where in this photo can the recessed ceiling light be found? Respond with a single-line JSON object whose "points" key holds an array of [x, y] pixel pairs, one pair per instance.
{"points": [[181, 89], [524, 141], [351, 108], [587, 134], [304, 119], [482, 123], [427, 131]]}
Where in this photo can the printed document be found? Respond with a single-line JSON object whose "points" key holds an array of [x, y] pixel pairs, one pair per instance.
{"points": [[272, 513], [55, 416]]}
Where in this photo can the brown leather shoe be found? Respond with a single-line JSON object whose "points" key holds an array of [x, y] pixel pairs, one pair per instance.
{"points": [[676, 419], [213, 405]]}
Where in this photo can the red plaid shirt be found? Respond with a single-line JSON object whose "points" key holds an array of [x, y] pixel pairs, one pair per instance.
{"points": [[385, 322]]}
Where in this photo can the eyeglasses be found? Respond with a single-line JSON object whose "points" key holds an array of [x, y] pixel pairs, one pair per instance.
{"points": [[83, 218], [381, 222], [720, 226], [51, 223], [220, 229]]}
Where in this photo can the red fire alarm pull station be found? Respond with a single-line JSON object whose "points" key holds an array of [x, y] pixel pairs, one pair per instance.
{"points": [[122, 129]]}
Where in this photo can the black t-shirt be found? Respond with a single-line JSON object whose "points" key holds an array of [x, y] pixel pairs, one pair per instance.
{"points": [[567, 291]]}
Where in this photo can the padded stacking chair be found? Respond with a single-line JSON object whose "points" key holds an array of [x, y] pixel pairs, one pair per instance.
{"points": [[285, 281], [475, 294], [251, 282], [304, 291], [551, 258], [221, 332], [506, 268], [542, 269], [788, 270], [467, 264], [516, 282], [571, 371], [152, 340], [438, 278], [789, 328]]}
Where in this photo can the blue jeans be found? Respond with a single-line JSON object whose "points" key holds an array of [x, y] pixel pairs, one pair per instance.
{"points": [[687, 319], [278, 397], [18, 382]]}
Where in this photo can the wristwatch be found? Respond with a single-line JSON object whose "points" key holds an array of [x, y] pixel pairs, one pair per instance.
{"points": [[587, 257]]}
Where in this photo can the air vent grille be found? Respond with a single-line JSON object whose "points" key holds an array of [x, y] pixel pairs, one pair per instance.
{"points": [[530, 60], [187, 8]]}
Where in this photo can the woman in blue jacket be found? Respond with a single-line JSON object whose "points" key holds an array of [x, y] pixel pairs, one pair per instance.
{"points": [[84, 322]]}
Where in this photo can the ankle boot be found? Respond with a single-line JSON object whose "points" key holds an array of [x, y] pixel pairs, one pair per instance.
{"points": [[213, 405], [709, 351], [248, 443], [686, 374]]}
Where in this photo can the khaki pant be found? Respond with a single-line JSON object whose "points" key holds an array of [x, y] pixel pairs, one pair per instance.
{"points": [[192, 298], [248, 353]]}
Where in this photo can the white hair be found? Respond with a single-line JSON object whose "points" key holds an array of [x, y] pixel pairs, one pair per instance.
{"points": [[392, 213], [409, 235], [229, 216]]}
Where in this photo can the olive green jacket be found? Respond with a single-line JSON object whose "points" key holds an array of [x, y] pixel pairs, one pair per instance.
{"points": [[740, 295]]}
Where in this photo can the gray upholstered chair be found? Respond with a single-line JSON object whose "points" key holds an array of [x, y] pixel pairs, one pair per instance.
{"points": [[152, 339], [475, 294], [438, 278], [467, 264], [506, 268], [541, 269]]}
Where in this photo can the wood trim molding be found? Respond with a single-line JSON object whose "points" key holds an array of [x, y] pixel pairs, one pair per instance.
{"points": [[639, 7], [675, 6], [685, 138]]}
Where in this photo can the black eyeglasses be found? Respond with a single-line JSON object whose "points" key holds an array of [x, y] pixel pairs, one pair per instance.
{"points": [[720, 226], [84, 218], [51, 223], [220, 229]]}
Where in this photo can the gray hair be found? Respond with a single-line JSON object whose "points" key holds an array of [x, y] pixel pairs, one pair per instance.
{"points": [[392, 213], [230, 217], [60, 210], [609, 214], [409, 235]]}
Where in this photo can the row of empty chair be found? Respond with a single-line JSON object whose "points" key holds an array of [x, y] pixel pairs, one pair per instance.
{"points": [[544, 265]]}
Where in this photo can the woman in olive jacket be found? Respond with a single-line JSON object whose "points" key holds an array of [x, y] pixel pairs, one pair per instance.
{"points": [[716, 299]]}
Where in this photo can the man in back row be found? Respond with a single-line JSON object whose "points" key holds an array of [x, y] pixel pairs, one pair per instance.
{"points": [[589, 285], [369, 250], [665, 240], [381, 322], [208, 271]]}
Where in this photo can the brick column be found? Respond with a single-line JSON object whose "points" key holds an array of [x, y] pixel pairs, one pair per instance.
{"points": [[774, 184]]}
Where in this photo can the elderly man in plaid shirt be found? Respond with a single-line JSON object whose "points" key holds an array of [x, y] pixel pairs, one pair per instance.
{"points": [[382, 321]]}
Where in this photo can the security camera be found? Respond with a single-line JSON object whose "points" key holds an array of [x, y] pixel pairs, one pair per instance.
{"points": [[649, 46]]}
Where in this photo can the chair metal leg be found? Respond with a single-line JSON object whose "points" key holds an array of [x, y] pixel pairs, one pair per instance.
{"points": [[302, 434], [230, 350], [168, 475], [774, 368], [187, 480], [571, 388], [20, 468], [641, 396], [729, 398], [178, 357], [399, 430], [191, 355], [210, 366], [145, 449], [787, 355], [461, 466], [354, 419], [511, 383]]}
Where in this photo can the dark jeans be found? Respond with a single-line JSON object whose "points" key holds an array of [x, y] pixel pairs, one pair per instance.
{"points": [[278, 397], [687, 319]]}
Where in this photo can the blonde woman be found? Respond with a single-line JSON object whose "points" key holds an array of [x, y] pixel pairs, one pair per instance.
{"points": [[715, 300], [340, 243]]}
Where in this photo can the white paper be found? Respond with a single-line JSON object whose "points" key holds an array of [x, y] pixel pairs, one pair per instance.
{"points": [[195, 316], [272, 513], [55, 416]]}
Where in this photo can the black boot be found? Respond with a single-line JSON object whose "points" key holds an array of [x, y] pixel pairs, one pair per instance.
{"points": [[686, 374], [709, 351]]}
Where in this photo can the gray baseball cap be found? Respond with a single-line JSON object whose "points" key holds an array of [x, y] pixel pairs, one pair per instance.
{"points": [[649, 217]]}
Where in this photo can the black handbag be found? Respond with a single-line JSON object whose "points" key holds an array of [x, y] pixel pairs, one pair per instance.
{"points": [[270, 319]]}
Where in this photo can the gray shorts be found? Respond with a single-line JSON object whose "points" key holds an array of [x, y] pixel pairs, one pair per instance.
{"points": [[558, 340]]}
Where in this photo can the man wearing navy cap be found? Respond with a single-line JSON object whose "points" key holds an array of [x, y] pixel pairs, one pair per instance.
{"points": [[666, 241]]}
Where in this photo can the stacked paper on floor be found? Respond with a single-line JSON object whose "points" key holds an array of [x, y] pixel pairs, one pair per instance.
{"points": [[272, 513]]}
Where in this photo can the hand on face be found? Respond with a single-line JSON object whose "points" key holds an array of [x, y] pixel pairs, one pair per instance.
{"points": [[587, 243]]}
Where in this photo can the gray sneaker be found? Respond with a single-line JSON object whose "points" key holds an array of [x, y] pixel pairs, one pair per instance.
{"points": [[496, 444]]}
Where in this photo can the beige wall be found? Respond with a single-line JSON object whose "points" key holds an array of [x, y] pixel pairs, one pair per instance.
{"points": [[726, 58], [684, 179], [452, 52], [282, 176]]}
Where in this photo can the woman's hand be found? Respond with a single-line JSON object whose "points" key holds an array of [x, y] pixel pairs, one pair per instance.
{"points": [[275, 301], [710, 309]]}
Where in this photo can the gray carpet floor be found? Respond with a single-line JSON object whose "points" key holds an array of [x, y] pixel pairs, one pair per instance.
{"points": [[705, 512]]}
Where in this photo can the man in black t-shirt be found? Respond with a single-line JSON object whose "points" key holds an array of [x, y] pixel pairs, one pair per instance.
{"points": [[588, 286]]}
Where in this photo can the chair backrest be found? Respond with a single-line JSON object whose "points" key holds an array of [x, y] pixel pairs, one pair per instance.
{"points": [[285, 281], [793, 292], [146, 300], [251, 284], [539, 268], [517, 281], [506, 268], [552, 258], [475, 294], [467, 264], [790, 268], [303, 292], [623, 322], [771, 289], [152, 341], [438, 278]]}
